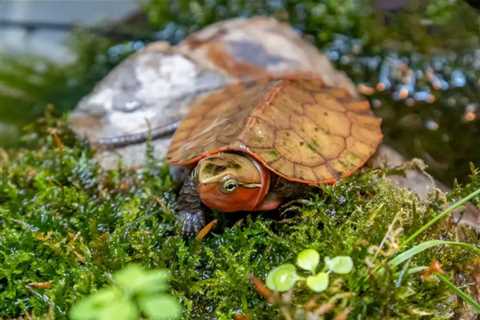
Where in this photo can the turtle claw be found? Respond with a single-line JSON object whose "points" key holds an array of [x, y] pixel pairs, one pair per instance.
{"points": [[191, 222]]}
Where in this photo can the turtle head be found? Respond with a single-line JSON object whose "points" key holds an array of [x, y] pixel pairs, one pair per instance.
{"points": [[232, 182]]}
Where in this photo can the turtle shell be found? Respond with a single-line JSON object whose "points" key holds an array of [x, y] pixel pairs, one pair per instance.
{"points": [[299, 128]]}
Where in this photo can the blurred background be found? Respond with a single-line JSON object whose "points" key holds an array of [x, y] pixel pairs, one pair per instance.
{"points": [[417, 61], [42, 27]]}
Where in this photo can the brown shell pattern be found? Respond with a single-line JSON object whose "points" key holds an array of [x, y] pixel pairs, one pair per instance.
{"points": [[300, 129]]}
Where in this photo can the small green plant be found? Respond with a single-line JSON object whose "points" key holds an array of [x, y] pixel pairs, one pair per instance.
{"points": [[135, 294], [285, 276]]}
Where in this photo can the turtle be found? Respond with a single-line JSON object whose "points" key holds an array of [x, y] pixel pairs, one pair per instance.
{"points": [[252, 146]]}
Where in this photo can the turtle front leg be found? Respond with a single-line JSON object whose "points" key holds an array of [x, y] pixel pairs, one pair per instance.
{"points": [[189, 209]]}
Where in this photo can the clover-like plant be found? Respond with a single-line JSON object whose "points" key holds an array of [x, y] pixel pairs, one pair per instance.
{"points": [[285, 276], [135, 294]]}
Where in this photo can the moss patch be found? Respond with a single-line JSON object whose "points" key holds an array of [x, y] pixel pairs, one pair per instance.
{"points": [[66, 226]]}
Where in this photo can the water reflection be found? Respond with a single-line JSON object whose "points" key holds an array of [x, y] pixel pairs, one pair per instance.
{"points": [[429, 102], [411, 76]]}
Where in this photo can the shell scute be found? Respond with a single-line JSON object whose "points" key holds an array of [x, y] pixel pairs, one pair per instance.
{"points": [[363, 134], [275, 117], [295, 149], [323, 143], [359, 106], [288, 167], [328, 121], [325, 173], [261, 134], [298, 96], [287, 105], [365, 121], [357, 147], [300, 129], [329, 102], [269, 155], [304, 172]]}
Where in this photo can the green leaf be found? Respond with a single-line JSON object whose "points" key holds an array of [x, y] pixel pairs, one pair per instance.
{"points": [[122, 309], [160, 307], [282, 278], [105, 304], [319, 282], [135, 279], [88, 307], [340, 264], [308, 259], [413, 251]]}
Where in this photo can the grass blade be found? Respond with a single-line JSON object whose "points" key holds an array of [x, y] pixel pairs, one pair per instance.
{"points": [[413, 251], [442, 215], [465, 296]]}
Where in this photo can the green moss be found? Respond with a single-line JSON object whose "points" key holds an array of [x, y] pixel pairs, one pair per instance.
{"points": [[66, 223]]}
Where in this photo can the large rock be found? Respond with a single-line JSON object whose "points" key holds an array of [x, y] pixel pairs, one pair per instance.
{"points": [[144, 96]]}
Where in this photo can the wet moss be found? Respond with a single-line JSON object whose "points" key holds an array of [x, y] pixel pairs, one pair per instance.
{"points": [[66, 226]]}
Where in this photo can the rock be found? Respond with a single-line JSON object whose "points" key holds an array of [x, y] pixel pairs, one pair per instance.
{"points": [[250, 48], [412, 176], [145, 95]]}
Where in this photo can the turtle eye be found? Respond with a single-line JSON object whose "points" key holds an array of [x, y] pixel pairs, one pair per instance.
{"points": [[229, 185]]}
